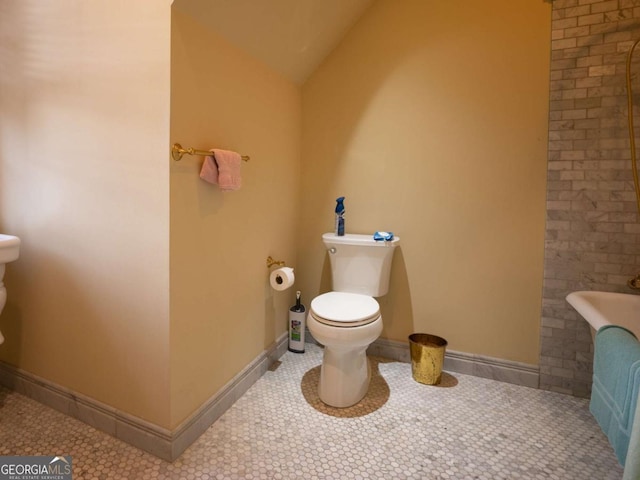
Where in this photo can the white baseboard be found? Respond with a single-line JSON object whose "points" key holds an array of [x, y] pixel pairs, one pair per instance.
{"points": [[168, 445], [467, 363], [194, 426], [156, 440]]}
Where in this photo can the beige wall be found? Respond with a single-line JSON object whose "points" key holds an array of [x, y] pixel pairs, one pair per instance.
{"points": [[223, 313], [151, 302], [84, 122], [431, 118]]}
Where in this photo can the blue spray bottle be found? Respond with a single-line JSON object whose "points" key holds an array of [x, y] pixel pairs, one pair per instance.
{"points": [[340, 216]]}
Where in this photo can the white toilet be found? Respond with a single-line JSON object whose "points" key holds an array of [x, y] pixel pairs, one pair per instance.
{"points": [[347, 320]]}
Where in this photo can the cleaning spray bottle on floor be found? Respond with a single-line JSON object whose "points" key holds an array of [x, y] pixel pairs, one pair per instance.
{"points": [[340, 216], [296, 326]]}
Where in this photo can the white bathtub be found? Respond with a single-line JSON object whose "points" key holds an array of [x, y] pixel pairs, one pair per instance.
{"points": [[606, 308]]}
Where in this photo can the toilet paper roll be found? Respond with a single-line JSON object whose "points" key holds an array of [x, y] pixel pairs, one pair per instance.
{"points": [[282, 278]]}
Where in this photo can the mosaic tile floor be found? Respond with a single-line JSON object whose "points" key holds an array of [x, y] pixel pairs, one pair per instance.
{"points": [[466, 428]]}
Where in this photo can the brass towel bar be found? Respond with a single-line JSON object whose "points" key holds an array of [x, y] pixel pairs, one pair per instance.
{"points": [[177, 152]]}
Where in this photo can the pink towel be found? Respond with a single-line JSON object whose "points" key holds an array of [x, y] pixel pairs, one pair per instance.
{"points": [[209, 170], [222, 168]]}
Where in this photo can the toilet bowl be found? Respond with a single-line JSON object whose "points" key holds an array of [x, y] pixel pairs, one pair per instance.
{"points": [[346, 324]]}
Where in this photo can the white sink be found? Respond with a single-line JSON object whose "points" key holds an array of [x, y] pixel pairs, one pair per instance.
{"points": [[9, 248], [606, 308], [9, 251]]}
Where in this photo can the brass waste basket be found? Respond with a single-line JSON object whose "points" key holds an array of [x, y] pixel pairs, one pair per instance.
{"points": [[427, 357]]}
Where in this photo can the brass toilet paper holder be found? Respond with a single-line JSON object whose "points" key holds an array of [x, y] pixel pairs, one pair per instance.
{"points": [[271, 262]]}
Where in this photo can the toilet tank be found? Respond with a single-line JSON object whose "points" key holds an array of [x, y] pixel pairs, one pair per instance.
{"points": [[359, 264]]}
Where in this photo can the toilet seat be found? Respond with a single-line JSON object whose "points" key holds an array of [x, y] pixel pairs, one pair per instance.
{"points": [[345, 310]]}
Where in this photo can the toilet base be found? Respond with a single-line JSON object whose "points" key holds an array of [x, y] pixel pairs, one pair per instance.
{"points": [[344, 376]]}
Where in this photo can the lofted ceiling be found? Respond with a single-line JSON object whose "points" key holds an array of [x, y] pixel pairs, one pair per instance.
{"points": [[291, 36]]}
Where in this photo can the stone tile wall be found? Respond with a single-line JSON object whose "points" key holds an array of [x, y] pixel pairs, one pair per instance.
{"points": [[592, 232]]}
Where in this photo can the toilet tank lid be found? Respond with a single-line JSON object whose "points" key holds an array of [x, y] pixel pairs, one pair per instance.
{"points": [[345, 307], [357, 239]]}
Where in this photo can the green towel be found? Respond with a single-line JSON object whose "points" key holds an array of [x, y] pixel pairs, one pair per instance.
{"points": [[632, 465], [616, 381]]}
